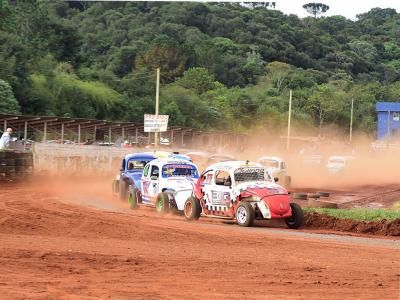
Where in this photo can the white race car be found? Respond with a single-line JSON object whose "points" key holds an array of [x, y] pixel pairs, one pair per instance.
{"points": [[276, 167], [166, 183]]}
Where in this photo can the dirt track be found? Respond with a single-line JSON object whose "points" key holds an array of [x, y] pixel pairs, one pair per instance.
{"points": [[52, 247]]}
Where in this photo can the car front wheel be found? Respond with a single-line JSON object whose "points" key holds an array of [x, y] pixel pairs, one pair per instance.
{"points": [[245, 214], [297, 218]]}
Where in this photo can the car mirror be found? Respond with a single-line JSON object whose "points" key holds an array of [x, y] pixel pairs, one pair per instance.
{"points": [[153, 177], [276, 179], [121, 170]]}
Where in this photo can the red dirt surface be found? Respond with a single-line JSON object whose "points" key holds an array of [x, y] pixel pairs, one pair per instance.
{"points": [[53, 248]]}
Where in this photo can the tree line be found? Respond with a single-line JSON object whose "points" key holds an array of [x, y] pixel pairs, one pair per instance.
{"points": [[223, 65]]}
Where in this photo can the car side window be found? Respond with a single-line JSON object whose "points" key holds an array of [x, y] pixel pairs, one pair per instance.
{"points": [[223, 178], [146, 171], [155, 171], [123, 164]]}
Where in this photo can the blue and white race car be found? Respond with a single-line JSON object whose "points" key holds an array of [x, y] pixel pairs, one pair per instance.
{"points": [[166, 183], [131, 172]]}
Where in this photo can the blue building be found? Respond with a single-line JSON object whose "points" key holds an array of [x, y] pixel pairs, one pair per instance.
{"points": [[388, 120]]}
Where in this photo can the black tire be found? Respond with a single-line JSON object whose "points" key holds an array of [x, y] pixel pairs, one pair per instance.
{"points": [[7, 162], [162, 203], [314, 196], [300, 196], [23, 162], [133, 194], [192, 209], [244, 214], [323, 194], [123, 189], [297, 218]]}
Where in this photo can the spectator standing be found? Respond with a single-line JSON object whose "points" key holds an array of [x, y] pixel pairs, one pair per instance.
{"points": [[6, 139]]}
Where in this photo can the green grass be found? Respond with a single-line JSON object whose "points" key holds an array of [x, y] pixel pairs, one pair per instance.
{"points": [[361, 214]]}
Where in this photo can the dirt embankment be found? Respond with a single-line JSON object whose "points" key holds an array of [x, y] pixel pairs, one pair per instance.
{"points": [[320, 221]]}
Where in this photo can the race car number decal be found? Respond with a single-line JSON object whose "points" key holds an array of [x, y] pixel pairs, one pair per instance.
{"points": [[220, 198]]}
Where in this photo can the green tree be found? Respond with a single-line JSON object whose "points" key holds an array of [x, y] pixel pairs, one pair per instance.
{"points": [[197, 79], [316, 9], [8, 103]]}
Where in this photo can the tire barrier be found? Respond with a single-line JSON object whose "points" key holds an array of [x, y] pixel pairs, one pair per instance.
{"points": [[15, 165]]}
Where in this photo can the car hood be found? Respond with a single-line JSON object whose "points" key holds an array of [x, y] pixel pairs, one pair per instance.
{"points": [[261, 189], [180, 183], [273, 170]]}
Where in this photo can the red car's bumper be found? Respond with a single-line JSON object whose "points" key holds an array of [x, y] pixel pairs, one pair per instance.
{"points": [[279, 206]]}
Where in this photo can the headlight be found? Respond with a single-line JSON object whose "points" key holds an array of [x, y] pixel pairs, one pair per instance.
{"points": [[255, 198]]}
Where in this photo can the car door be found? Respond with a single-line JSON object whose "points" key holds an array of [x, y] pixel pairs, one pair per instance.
{"points": [[145, 184], [153, 189], [220, 192]]}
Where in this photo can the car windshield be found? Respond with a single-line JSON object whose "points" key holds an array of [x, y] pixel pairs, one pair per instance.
{"points": [[250, 174], [270, 163], [218, 159], [172, 170], [136, 164], [336, 161]]}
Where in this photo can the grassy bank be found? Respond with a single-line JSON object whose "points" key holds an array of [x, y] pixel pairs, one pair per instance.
{"points": [[361, 214]]}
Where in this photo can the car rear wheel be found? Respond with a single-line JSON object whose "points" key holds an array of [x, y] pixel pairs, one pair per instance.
{"points": [[162, 203], [123, 189], [115, 187], [245, 214], [192, 209], [133, 197], [297, 218]]}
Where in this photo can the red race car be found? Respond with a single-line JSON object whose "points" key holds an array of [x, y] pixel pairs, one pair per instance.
{"points": [[243, 191]]}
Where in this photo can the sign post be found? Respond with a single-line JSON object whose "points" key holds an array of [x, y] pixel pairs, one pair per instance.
{"points": [[156, 138]]}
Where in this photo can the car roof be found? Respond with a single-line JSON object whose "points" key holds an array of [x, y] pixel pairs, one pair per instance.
{"points": [[232, 165], [197, 153], [170, 160], [275, 158], [142, 155], [222, 155]]}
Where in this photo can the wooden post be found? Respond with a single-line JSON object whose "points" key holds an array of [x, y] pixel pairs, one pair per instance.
{"points": [[79, 133], [351, 120], [62, 133], [109, 134], [289, 121], [45, 132], [94, 135], [25, 133]]}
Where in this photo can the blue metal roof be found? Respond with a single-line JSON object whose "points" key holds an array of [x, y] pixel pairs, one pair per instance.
{"points": [[142, 155], [387, 106]]}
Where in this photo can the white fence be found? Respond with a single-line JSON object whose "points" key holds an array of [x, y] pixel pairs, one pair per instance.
{"points": [[79, 159]]}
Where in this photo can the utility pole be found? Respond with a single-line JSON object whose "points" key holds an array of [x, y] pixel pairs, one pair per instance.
{"points": [[289, 119], [157, 105], [351, 120]]}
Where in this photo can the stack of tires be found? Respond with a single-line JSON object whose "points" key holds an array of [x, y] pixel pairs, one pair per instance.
{"points": [[15, 165]]}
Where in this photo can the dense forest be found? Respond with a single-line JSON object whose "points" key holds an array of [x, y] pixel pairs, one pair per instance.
{"points": [[223, 65]]}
